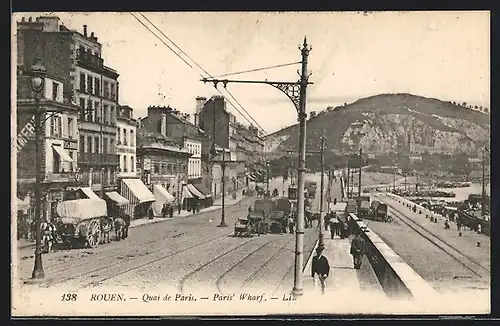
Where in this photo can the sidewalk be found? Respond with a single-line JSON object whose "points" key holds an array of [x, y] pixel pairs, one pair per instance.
{"points": [[229, 201]]}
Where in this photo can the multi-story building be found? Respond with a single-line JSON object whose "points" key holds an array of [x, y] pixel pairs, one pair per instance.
{"points": [[87, 82], [177, 126], [126, 131], [58, 142]]}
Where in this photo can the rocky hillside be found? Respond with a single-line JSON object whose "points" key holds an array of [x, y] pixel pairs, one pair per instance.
{"points": [[384, 123]]}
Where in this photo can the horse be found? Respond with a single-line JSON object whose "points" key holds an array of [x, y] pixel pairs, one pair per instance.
{"points": [[106, 227], [120, 225]]}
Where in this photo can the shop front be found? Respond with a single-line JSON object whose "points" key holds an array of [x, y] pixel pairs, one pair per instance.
{"points": [[139, 196]]}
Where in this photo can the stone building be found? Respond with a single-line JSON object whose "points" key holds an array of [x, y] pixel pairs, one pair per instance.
{"points": [[126, 132]]}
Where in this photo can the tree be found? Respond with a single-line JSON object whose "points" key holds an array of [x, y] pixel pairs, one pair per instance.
{"points": [[464, 104], [312, 114], [486, 110]]}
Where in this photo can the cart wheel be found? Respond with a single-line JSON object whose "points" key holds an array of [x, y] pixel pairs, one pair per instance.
{"points": [[93, 234]]}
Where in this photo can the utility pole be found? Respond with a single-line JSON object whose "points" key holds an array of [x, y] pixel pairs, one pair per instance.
{"points": [[321, 242], [394, 180], [296, 92], [416, 184], [223, 216], [267, 178], [329, 196], [359, 181]]}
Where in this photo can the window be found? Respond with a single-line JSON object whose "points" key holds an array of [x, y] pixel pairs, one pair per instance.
{"points": [[97, 109], [70, 128], [112, 117], [90, 111], [112, 146], [56, 163], [132, 164], [82, 109], [113, 93], [82, 144], [105, 113], [118, 133], [105, 89], [132, 138], [89, 145], [105, 145], [55, 90], [96, 144], [97, 84], [124, 138], [125, 163], [90, 83], [156, 167], [82, 82], [70, 153]]}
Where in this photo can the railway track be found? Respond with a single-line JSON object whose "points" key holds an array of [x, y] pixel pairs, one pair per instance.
{"points": [[115, 269], [466, 261]]}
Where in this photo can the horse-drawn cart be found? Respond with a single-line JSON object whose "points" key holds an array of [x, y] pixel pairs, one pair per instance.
{"points": [[82, 221], [243, 227]]}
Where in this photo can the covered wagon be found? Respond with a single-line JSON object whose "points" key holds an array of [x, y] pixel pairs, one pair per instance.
{"points": [[81, 221]]}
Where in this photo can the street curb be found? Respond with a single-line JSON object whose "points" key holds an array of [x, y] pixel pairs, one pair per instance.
{"points": [[171, 219]]}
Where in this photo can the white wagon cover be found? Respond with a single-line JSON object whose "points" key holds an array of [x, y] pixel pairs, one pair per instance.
{"points": [[82, 209]]}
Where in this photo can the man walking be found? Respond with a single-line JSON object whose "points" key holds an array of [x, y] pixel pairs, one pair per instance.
{"points": [[321, 268], [357, 250]]}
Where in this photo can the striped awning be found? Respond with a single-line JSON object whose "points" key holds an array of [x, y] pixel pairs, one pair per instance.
{"points": [[62, 153], [251, 177], [136, 191], [89, 193], [195, 191], [117, 198], [185, 193]]}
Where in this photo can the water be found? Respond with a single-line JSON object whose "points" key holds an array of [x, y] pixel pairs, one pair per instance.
{"points": [[462, 194]]}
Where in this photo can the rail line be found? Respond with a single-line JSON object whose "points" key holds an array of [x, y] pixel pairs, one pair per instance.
{"points": [[109, 254], [469, 263], [187, 276], [135, 258]]}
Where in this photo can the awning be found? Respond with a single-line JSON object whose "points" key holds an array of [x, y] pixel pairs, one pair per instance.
{"points": [[251, 177], [136, 191], [117, 198], [195, 191], [162, 196], [62, 153], [201, 187], [89, 193], [186, 193]]}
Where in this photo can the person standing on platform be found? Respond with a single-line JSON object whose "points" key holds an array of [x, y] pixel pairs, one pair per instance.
{"points": [[321, 268], [357, 250]]}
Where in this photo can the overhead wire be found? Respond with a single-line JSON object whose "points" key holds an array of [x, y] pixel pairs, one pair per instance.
{"points": [[258, 69], [207, 73], [200, 67]]}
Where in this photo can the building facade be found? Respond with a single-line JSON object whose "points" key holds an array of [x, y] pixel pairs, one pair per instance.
{"points": [[58, 143], [177, 126], [126, 133], [86, 82], [162, 161]]}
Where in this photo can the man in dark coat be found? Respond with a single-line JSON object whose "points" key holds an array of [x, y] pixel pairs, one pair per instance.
{"points": [[320, 267], [357, 250]]}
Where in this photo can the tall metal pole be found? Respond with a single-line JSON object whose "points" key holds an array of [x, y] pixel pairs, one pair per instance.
{"points": [[299, 243], [38, 271], [483, 192], [223, 217], [416, 184], [267, 178], [329, 195], [321, 243], [394, 180], [359, 179]]}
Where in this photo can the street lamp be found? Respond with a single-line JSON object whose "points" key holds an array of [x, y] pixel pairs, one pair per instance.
{"points": [[37, 74], [267, 176]]}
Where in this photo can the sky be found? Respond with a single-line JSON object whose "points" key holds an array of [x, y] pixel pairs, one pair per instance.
{"points": [[445, 55]]}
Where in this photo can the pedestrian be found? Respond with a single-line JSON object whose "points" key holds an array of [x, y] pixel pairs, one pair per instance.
{"points": [[150, 213], [342, 231], [170, 211], [334, 201], [179, 207], [333, 226], [357, 250], [479, 228], [164, 210], [291, 223], [446, 225], [327, 220], [321, 268]]}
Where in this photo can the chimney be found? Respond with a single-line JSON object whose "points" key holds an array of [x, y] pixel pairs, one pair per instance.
{"points": [[84, 30], [23, 19], [164, 124], [200, 102], [195, 119]]}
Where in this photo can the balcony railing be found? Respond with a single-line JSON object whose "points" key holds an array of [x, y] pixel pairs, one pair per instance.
{"points": [[62, 177], [90, 58], [95, 178], [98, 159]]}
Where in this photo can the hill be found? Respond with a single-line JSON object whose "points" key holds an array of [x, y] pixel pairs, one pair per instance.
{"points": [[400, 123]]}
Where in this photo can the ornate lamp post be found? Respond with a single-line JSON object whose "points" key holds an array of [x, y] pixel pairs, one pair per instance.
{"points": [[37, 74]]}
